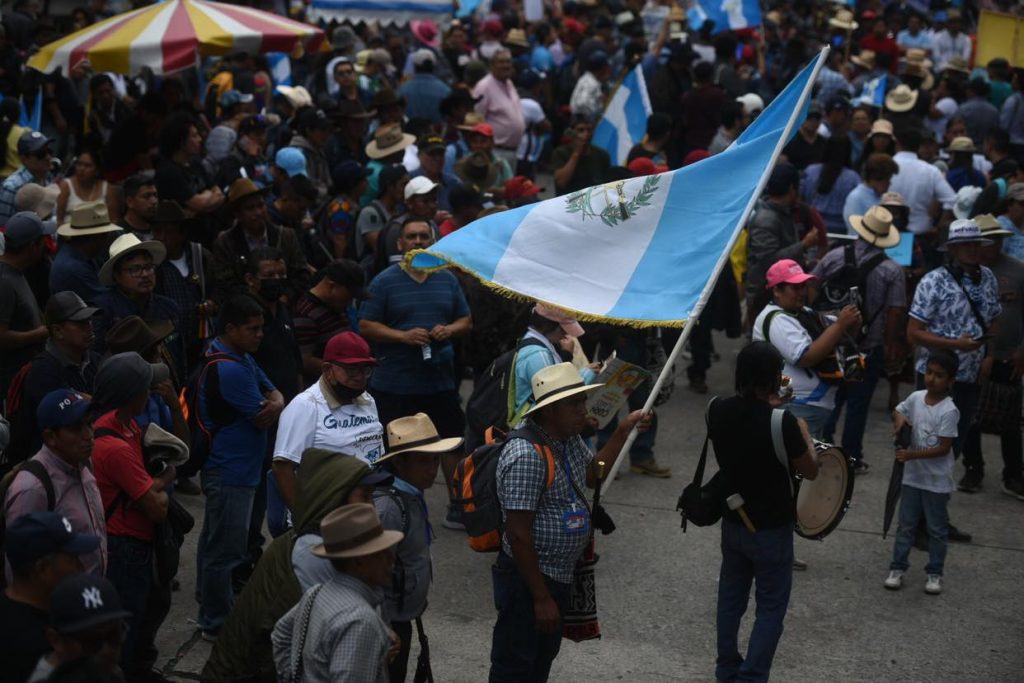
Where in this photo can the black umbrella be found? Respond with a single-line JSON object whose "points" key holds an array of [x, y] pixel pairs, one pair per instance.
{"points": [[902, 440]]}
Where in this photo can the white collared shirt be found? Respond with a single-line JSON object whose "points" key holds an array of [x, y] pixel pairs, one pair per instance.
{"points": [[920, 183]]}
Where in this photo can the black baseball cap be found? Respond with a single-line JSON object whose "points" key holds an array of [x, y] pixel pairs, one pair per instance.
{"points": [[428, 143], [82, 601], [348, 174], [348, 274], [32, 141], [33, 536], [65, 306]]}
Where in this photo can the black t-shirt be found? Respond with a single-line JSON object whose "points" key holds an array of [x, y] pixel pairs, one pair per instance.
{"points": [[19, 312], [22, 638], [742, 437], [802, 153]]}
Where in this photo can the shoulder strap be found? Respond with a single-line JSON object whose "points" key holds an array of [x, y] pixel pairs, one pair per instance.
{"points": [[766, 324], [392, 493], [779, 446], [296, 672], [514, 416], [36, 469], [974, 307], [698, 475]]}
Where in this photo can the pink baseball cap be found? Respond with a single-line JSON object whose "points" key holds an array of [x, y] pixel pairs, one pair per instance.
{"points": [[570, 325], [787, 271]]}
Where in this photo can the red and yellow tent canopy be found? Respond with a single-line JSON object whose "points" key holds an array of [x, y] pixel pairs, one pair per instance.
{"points": [[166, 37]]}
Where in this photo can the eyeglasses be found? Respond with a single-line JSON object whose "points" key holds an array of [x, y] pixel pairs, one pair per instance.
{"points": [[137, 270], [355, 370]]}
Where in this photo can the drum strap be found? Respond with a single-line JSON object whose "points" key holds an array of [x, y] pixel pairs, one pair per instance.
{"points": [[779, 446]]}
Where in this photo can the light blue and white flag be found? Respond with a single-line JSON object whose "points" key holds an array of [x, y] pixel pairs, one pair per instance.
{"points": [[280, 64], [638, 251], [873, 92], [729, 14], [625, 118]]}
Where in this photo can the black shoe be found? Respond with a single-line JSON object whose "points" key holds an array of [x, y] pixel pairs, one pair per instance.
{"points": [[957, 536], [698, 386], [971, 481], [861, 467], [1014, 487], [187, 487]]}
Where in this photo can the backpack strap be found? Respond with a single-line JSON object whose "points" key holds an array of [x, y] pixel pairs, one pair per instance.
{"points": [[36, 469], [779, 446], [307, 610], [863, 271], [516, 416], [766, 324]]}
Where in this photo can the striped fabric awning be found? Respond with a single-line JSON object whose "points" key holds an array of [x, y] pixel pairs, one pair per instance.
{"points": [[387, 12], [166, 37]]}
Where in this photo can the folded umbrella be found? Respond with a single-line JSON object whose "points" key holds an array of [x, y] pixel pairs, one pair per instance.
{"points": [[892, 496]]}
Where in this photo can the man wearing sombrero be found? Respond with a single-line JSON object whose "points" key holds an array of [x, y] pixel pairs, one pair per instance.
{"points": [[884, 310], [540, 484]]}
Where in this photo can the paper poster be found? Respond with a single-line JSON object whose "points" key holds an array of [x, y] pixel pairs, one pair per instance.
{"points": [[620, 379], [533, 9], [903, 252]]}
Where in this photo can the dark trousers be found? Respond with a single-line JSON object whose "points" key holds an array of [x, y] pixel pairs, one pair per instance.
{"points": [[1010, 440], [765, 559], [519, 652], [398, 667], [856, 396], [130, 569], [632, 348], [443, 408], [700, 347]]}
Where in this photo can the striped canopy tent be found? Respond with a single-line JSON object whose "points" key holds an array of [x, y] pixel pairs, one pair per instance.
{"points": [[167, 37], [398, 12]]}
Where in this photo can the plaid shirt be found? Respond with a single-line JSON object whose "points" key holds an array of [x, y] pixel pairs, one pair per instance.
{"points": [[831, 82], [522, 485], [10, 187], [347, 641]]}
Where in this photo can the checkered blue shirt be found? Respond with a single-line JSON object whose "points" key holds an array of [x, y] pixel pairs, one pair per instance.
{"points": [[831, 82], [522, 478]]}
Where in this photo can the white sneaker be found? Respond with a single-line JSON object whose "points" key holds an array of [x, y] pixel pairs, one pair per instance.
{"points": [[933, 585], [895, 580]]}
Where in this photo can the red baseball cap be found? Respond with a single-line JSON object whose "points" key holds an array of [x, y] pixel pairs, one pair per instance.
{"points": [[570, 24], [348, 348], [695, 155], [520, 186], [787, 271], [483, 129], [642, 166]]}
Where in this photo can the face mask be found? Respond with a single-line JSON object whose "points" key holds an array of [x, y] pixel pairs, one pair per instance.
{"points": [[344, 394], [272, 290]]}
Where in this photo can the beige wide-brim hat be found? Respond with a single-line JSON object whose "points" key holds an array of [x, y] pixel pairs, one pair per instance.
{"points": [[990, 226], [556, 382], [297, 96], [38, 199], [472, 119], [961, 144], [882, 127], [164, 445], [844, 20], [875, 227], [88, 219], [129, 244], [387, 141], [901, 99], [517, 38], [354, 531], [416, 434], [865, 59]]}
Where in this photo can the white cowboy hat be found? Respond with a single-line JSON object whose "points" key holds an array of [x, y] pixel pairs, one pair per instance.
{"points": [[416, 434], [129, 244], [88, 219], [901, 98], [387, 141], [555, 382], [875, 227]]}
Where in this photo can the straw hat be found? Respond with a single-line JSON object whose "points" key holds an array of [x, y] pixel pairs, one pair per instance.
{"points": [[882, 127], [472, 120], [388, 140], [476, 169], [88, 219], [959, 65], [517, 38], [901, 98], [961, 144], [354, 531], [875, 227], [964, 231], [126, 245], [918, 65], [557, 382], [844, 20], [990, 226], [416, 434], [864, 59], [298, 96]]}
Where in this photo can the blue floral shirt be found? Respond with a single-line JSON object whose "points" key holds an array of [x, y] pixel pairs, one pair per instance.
{"points": [[941, 304]]}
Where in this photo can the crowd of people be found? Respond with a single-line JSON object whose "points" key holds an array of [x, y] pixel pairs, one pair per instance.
{"points": [[203, 292]]}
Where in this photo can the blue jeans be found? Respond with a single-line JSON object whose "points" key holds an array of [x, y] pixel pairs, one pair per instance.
{"points": [[519, 652], [223, 545], [915, 503], [857, 398], [816, 417], [130, 569], [767, 558]]}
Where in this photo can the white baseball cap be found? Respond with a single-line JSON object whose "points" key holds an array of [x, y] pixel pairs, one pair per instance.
{"points": [[419, 185]]}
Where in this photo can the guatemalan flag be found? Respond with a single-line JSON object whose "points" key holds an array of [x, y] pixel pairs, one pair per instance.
{"points": [[727, 14], [640, 251], [280, 64], [873, 92], [625, 118]]}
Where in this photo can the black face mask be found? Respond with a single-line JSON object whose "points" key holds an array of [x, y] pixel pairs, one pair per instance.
{"points": [[272, 290], [344, 394]]}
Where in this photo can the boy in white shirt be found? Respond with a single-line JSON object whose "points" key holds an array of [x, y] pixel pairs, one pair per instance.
{"points": [[928, 469]]}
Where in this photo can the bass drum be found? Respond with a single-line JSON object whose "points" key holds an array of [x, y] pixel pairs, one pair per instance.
{"points": [[822, 503]]}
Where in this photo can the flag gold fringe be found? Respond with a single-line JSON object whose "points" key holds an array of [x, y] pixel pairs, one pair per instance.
{"points": [[517, 296]]}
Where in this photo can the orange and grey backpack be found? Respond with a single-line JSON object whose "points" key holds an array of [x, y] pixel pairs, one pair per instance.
{"points": [[475, 487]]}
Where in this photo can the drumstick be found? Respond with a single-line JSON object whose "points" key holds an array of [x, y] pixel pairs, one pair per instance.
{"points": [[735, 502]]}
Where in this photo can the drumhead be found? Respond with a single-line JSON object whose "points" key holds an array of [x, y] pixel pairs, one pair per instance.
{"points": [[821, 503]]}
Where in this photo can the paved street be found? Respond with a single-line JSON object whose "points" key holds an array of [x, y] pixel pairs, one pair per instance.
{"points": [[657, 586]]}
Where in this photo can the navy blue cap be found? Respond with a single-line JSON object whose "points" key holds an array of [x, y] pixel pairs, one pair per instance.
{"points": [[61, 408], [25, 227], [598, 59], [348, 174], [81, 601], [33, 536]]}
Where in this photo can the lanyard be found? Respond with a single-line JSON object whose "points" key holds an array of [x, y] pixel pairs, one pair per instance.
{"points": [[403, 485]]}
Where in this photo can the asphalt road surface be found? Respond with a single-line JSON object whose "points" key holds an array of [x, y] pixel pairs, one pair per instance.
{"points": [[657, 586]]}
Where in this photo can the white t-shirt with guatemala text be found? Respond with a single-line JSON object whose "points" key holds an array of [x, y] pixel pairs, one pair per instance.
{"points": [[313, 421], [790, 338]]}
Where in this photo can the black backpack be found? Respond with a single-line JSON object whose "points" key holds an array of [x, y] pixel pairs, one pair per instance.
{"points": [[834, 292], [493, 401], [37, 470]]}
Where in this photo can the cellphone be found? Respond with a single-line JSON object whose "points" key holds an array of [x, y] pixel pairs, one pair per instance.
{"points": [[984, 337]]}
